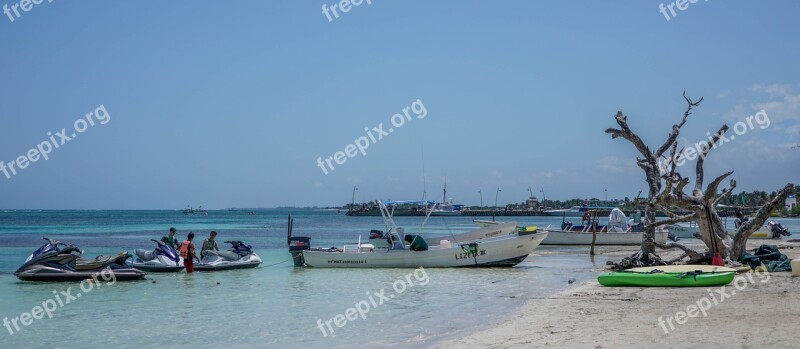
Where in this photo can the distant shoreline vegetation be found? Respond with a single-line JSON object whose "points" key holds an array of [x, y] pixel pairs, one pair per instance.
{"points": [[746, 201]]}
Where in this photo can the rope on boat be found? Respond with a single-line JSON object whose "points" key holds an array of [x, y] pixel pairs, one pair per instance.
{"points": [[274, 264]]}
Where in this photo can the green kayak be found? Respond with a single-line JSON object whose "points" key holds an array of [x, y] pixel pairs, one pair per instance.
{"points": [[666, 279]]}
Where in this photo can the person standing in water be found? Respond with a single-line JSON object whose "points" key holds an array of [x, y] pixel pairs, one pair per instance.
{"points": [[189, 253], [210, 244], [170, 240]]}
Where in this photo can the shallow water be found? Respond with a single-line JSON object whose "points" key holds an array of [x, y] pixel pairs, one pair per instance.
{"points": [[275, 305]]}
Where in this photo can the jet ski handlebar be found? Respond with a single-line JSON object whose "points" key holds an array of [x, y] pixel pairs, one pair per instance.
{"points": [[68, 248]]}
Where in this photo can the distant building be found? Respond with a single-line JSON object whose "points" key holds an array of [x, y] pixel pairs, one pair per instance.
{"points": [[791, 202]]}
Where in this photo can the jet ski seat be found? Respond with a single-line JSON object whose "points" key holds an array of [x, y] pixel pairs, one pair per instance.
{"points": [[228, 255], [145, 255], [97, 263], [231, 256]]}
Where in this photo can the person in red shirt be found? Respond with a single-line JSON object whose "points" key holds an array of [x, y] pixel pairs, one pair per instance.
{"points": [[189, 253]]}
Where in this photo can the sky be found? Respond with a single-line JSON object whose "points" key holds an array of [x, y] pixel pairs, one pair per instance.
{"points": [[230, 104]]}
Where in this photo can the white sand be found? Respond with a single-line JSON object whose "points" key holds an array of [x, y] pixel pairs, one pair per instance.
{"points": [[760, 315]]}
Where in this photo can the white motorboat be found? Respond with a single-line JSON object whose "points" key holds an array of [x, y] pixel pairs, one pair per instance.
{"points": [[603, 238], [502, 250], [772, 230], [683, 230], [617, 232]]}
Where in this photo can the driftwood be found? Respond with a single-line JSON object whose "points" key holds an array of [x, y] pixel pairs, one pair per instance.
{"points": [[667, 189]]}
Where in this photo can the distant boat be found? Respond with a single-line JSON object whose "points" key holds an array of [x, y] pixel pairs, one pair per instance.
{"points": [[618, 231], [189, 211], [520, 229], [445, 208], [683, 230], [771, 230], [577, 211]]}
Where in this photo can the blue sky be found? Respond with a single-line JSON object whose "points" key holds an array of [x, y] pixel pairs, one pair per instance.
{"points": [[229, 104]]}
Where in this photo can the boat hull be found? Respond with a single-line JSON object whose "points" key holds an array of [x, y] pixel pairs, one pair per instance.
{"points": [[504, 251], [633, 279], [762, 233], [56, 275], [484, 232], [225, 266], [683, 232], [157, 268], [585, 238]]}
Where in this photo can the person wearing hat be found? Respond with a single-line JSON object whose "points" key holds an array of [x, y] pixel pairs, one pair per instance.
{"points": [[170, 240]]}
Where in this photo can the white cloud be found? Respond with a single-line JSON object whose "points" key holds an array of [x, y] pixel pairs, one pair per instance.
{"points": [[780, 102], [615, 165], [775, 90]]}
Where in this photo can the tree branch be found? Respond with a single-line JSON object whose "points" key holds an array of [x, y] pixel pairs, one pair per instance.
{"points": [[676, 129], [666, 211], [693, 255], [710, 144], [625, 132], [725, 192], [677, 219], [713, 187]]}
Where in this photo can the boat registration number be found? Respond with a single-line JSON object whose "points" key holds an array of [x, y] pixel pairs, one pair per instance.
{"points": [[464, 255]]}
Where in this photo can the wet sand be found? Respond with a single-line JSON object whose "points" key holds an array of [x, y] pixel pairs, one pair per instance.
{"points": [[757, 311]]}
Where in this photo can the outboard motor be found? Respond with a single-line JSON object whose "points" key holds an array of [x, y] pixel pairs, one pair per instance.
{"points": [[778, 230], [296, 247]]}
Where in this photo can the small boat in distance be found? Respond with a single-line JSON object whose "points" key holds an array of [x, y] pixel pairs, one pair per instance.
{"points": [[683, 230], [578, 211], [445, 208], [520, 229], [619, 231], [189, 211]]}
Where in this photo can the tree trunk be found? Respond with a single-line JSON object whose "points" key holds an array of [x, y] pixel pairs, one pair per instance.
{"points": [[701, 203]]}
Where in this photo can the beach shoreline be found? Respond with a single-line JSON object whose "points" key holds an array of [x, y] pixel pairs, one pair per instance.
{"points": [[588, 315]]}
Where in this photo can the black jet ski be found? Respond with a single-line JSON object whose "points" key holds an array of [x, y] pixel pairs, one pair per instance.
{"points": [[57, 261]]}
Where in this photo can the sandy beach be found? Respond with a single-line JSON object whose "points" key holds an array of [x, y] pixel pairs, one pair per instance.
{"points": [[757, 311]]}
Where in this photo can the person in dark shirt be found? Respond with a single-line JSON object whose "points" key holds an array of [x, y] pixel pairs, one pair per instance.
{"points": [[417, 243], [170, 239]]}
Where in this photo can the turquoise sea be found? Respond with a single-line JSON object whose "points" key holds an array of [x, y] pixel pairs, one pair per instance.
{"points": [[276, 305]]}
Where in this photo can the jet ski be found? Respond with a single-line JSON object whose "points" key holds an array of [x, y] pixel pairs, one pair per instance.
{"points": [[57, 261], [239, 256], [163, 259]]}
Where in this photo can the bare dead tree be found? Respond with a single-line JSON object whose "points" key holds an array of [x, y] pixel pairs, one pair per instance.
{"points": [[667, 189]]}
